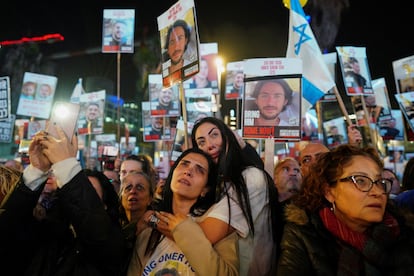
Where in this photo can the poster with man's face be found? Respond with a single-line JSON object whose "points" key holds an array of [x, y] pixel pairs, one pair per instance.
{"points": [[156, 128], [118, 31], [406, 102], [355, 70], [164, 101], [234, 80], [179, 42], [207, 77], [91, 117], [335, 132], [272, 98], [404, 74]]}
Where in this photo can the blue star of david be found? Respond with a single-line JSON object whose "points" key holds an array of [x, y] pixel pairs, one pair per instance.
{"points": [[302, 36]]}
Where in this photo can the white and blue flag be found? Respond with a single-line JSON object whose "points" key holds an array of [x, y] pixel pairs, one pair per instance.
{"points": [[317, 80]]}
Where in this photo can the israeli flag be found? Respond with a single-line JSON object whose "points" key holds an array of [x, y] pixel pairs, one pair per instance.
{"points": [[317, 80]]}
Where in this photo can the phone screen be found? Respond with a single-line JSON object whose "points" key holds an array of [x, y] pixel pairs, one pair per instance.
{"points": [[65, 115]]}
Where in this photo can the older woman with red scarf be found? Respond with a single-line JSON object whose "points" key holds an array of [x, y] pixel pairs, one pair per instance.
{"points": [[341, 222]]}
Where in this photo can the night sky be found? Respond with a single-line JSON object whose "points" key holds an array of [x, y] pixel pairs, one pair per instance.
{"points": [[242, 29]]}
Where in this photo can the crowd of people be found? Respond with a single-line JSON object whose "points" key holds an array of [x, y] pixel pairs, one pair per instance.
{"points": [[218, 212]]}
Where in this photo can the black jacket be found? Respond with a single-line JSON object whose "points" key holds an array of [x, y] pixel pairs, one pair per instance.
{"points": [[307, 248], [77, 237]]}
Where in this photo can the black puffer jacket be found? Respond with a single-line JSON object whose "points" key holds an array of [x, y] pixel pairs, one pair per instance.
{"points": [[307, 248], [77, 237]]}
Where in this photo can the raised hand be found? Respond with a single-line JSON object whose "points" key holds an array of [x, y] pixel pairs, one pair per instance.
{"points": [[58, 149], [36, 156]]}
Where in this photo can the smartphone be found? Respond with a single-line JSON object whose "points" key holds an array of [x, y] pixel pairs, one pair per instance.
{"points": [[65, 115]]}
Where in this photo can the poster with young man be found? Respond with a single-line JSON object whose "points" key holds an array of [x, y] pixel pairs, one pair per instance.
{"points": [[234, 80], [155, 128], [208, 74], [179, 42], [128, 148], [91, 117], [103, 141], [395, 159], [406, 103], [355, 70], [272, 98], [118, 31], [335, 132], [393, 129], [164, 101], [404, 74], [36, 96]]}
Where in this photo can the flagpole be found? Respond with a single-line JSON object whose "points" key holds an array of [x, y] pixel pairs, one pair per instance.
{"points": [[118, 96], [184, 112], [320, 121], [342, 106], [372, 134]]}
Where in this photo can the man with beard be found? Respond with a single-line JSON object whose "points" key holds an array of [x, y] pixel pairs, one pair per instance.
{"points": [[272, 98], [166, 101], [287, 178], [156, 127], [178, 37]]}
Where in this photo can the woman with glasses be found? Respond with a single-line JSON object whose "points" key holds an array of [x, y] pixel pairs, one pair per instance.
{"points": [[341, 222], [135, 197]]}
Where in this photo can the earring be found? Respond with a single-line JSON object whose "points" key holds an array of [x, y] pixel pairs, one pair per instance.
{"points": [[333, 207]]}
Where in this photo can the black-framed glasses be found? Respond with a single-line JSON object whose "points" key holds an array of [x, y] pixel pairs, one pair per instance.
{"points": [[365, 183]]}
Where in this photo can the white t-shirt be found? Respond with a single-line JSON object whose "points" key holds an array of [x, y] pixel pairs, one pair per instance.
{"points": [[255, 253], [168, 256]]}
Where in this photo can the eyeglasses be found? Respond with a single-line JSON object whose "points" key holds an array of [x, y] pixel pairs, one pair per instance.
{"points": [[365, 184]]}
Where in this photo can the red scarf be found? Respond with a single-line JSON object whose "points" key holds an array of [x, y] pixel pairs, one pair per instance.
{"points": [[344, 233]]}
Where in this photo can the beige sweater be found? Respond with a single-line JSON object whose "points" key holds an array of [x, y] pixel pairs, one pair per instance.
{"points": [[205, 259]]}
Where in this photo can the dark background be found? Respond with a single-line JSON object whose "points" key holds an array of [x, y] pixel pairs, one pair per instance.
{"points": [[242, 29]]}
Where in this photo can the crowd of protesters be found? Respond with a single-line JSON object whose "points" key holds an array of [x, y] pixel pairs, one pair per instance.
{"points": [[218, 212]]}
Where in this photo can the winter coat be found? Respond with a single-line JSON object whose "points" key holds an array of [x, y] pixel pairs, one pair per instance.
{"points": [[308, 248], [76, 237]]}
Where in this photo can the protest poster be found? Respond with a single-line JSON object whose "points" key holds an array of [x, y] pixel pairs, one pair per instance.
{"points": [[404, 74], [234, 80], [355, 70], [272, 98], [36, 96], [165, 102], [118, 31], [207, 77], [198, 103], [5, 105], [103, 142], [335, 132], [128, 148], [393, 129], [179, 42], [6, 129], [34, 127], [156, 128], [406, 103], [91, 117]]}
